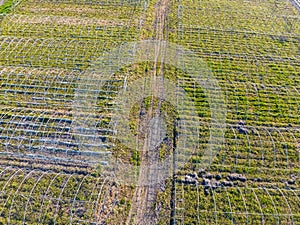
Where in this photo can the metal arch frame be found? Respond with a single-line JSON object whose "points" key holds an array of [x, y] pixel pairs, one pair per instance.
{"points": [[30, 194], [4, 168], [59, 197], [215, 205], [295, 97], [198, 203], [229, 202], [288, 95], [11, 43], [297, 102], [273, 203], [63, 48], [16, 193], [181, 200], [42, 124], [258, 99], [262, 214], [34, 118], [286, 149], [2, 172], [24, 81], [236, 146], [266, 93], [1, 118], [44, 196], [274, 146], [10, 178], [297, 146], [47, 134], [9, 110], [244, 203], [275, 90], [55, 133], [23, 139], [23, 48], [9, 74], [98, 198], [74, 199], [19, 123], [9, 126], [287, 203], [292, 190], [102, 205], [91, 196], [249, 150], [246, 96], [261, 145], [113, 205], [49, 46], [40, 43], [12, 73]]}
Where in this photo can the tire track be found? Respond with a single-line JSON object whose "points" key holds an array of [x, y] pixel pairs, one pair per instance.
{"points": [[142, 210]]}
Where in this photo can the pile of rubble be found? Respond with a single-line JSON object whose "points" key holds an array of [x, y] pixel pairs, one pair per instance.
{"points": [[292, 180], [190, 178], [211, 181], [236, 176], [241, 127]]}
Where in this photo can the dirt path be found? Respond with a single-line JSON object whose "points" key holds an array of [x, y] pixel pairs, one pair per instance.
{"points": [[142, 210]]}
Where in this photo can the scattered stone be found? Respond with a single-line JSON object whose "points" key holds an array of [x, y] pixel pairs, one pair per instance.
{"points": [[214, 184], [201, 172], [294, 176], [210, 183], [283, 38], [103, 139], [205, 182], [242, 179], [236, 176], [291, 182], [262, 86], [233, 177], [242, 123], [209, 176], [193, 175], [218, 177], [206, 192], [80, 212], [257, 180], [189, 180], [242, 130], [227, 183]]}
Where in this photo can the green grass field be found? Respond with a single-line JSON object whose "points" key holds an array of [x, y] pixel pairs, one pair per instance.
{"points": [[253, 51]]}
